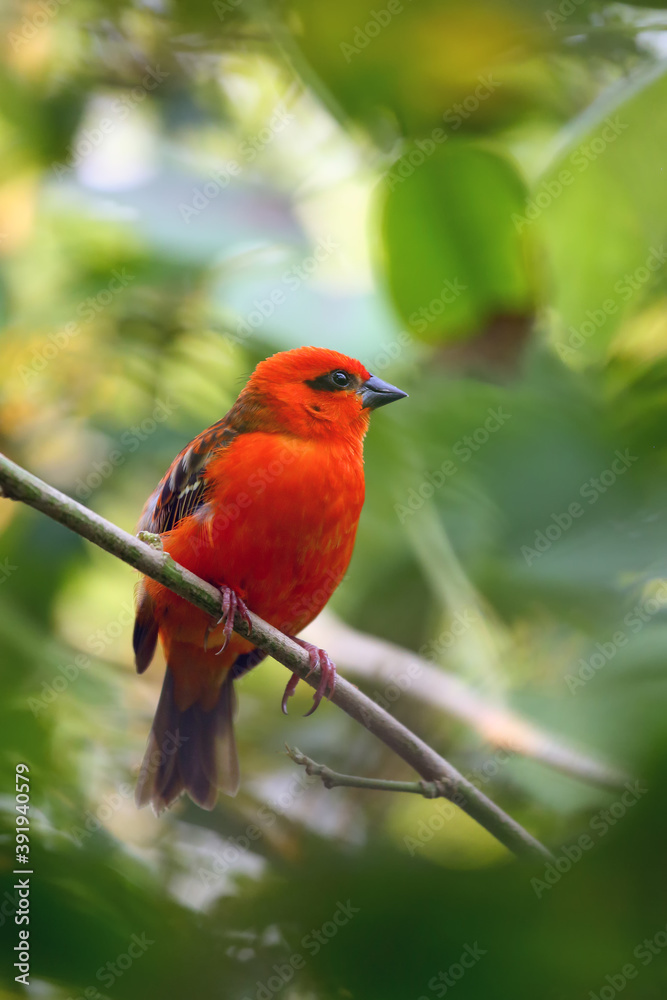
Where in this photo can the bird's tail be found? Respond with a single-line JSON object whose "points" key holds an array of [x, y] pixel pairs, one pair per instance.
{"points": [[191, 751]]}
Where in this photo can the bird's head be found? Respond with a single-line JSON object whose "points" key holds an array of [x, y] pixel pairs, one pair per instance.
{"points": [[313, 391]]}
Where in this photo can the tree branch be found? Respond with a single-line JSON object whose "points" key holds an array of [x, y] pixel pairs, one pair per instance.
{"points": [[18, 484]]}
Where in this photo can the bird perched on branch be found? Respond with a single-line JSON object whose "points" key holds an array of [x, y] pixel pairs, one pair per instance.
{"points": [[264, 505]]}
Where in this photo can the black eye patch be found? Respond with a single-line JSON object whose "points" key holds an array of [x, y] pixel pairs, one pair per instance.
{"points": [[334, 381]]}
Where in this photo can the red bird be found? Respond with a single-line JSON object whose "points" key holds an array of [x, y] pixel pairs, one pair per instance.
{"points": [[264, 505]]}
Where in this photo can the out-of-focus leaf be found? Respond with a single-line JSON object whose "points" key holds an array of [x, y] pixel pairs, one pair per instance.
{"points": [[454, 257], [364, 54], [602, 209]]}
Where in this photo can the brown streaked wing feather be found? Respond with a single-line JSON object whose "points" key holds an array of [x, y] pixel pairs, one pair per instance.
{"points": [[183, 490]]}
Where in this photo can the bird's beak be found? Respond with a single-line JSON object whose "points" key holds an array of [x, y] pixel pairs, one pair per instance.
{"points": [[374, 392]]}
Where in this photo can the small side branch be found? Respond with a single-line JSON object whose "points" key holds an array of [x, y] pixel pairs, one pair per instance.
{"points": [[333, 779]]}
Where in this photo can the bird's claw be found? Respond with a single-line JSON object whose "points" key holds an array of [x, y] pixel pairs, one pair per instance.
{"points": [[318, 658], [232, 605]]}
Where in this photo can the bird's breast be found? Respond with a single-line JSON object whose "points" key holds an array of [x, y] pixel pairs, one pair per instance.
{"points": [[280, 524]]}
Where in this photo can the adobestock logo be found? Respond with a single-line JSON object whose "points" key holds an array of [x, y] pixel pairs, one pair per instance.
{"points": [[120, 108], [444, 808], [235, 848], [625, 289], [107, 974], [645, 952], [454, 117], [364, 34], [591, 491], [602, 822], [32, 24], [579, 160], [59, 340], [400, 682], [635, 620], [312, 943], [440, 984], [463, 450], [129, 441], [291, 280]]}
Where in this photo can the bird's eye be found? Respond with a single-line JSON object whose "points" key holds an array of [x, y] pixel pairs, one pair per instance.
{"points": [[331, 381]]}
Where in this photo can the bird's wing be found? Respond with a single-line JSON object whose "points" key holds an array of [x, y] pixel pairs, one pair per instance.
{"points": [[184, 488], [181, 492]]}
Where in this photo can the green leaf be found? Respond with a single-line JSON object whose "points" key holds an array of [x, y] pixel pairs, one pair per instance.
{"points": [[454, 256], [602, 210]]}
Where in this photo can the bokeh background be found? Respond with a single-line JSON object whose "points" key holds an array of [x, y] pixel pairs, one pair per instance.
{"points": [[471, 197]]}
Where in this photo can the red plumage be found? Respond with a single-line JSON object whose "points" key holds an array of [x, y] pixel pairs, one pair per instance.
{"points": [[264, 505]]}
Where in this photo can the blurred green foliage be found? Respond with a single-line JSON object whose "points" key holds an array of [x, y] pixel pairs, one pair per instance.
{"points": [[470, 198]]}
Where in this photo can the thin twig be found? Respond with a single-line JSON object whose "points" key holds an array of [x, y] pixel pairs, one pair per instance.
{"points": [[18, 484], [334, 779]]}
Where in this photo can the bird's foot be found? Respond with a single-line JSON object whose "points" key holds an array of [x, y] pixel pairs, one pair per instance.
{"points": [[232, 605], [318, 658]]}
